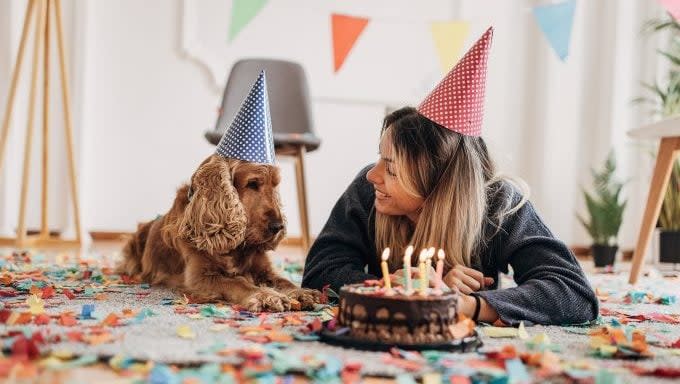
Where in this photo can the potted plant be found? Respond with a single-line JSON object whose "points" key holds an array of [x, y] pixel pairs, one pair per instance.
{"points": [[669, 220], [667, 101], [605, 210]]}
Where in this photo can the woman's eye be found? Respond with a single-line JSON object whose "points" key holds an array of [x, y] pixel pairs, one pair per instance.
{"points": [[253, 185], [389, 171]]}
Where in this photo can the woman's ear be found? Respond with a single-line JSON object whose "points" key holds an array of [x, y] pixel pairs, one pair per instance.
{"points": [[214, 219]]}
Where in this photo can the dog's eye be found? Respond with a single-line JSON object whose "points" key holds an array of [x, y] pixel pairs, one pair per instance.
{"points": [[253, 184]]}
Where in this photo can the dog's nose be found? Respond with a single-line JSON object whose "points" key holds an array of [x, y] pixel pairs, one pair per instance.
{"points": [[275, 226]]}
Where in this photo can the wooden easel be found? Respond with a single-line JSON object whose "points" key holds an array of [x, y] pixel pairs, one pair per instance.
{"points": [[46, 12]]}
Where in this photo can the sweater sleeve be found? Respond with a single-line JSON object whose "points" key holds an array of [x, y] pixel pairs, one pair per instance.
{"points": [[342, 250], [551, 286]]}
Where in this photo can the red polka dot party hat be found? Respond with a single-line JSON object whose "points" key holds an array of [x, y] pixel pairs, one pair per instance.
{"points": [[457, 103]]}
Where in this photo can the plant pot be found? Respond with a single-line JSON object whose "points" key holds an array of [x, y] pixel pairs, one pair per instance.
{"points": [[604, 255], [669, 246]]}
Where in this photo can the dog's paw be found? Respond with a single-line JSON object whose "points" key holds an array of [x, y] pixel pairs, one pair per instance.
{"points": [[306, 297], [268, 301]]}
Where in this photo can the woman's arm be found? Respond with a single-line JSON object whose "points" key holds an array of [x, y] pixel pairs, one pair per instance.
{"points": [[552, 288], [344, 247], [487, 313]]}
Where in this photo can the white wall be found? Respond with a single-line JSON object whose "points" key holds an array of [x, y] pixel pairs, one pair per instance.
{"points": [[144, 93]]}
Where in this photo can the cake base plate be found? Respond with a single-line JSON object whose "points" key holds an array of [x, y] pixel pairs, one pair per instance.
{"points": [[343, 339]]}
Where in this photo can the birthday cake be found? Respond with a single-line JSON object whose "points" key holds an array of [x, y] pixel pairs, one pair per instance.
{"points": [[399, 318]]}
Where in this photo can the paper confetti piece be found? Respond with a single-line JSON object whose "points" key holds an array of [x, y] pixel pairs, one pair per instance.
{"points": [[17, 318], [100, 338], [86, 312], [67, 320], [41, 319], [522, 332], [144, 313], [432, 378], [405, 379], [68, 293], [459, 380], [35, 304], [185, 332], [111, 320], [517, 372], [498, 332], [47, 292], [63, 354]]}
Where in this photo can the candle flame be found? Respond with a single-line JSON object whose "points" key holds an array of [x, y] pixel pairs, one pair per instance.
{"points": [[440, 254], [422, 256], [386, 254]]}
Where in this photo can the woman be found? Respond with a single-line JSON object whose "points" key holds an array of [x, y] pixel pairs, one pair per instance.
{"points": [[435, 185]]}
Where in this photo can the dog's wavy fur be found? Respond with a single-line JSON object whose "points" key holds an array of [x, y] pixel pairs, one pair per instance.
{"points": [[212, 243]]}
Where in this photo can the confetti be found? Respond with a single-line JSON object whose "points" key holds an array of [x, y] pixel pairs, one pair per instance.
{"points": [[35, 304], [185, 332]]}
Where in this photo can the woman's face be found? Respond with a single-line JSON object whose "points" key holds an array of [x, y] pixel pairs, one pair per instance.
{"points": [[390, 197]]}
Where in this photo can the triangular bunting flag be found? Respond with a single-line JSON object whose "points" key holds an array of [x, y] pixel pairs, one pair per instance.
{"points": [[346, 31], [448, 39], [672, 7], [556, 20], [242, 12]]}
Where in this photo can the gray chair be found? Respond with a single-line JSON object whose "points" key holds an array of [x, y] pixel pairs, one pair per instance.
{"points": [[291, 116]]}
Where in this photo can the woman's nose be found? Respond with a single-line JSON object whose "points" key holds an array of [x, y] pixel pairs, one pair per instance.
{"points": [[373, 175]]}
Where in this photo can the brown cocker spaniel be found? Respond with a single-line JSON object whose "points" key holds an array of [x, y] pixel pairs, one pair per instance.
{"points": [[212, 243]]}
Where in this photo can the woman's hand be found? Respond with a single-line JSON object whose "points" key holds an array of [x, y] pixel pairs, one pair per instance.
{"points": [[466, 280]]}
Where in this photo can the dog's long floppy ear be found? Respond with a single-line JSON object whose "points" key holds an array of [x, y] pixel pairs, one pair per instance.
{"points": [[214, 220]]}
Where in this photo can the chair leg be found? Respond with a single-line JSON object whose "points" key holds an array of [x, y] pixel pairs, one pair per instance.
{"points": [[302, 197], [668, 151]]}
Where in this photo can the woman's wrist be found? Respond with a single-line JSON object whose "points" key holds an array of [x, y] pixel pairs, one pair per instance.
{"points": [[467, 305]]}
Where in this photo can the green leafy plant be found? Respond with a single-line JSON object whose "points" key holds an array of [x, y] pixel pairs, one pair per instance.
{"points": [[670, 209], [605, 205], [667, 100]]}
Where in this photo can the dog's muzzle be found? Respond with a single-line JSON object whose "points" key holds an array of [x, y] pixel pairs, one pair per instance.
{"points": [[275, 227]]}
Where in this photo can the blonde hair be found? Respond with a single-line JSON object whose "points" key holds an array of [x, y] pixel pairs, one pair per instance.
{"points": [[455, 176]]}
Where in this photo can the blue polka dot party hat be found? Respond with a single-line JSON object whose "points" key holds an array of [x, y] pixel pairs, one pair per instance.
{"points": [[249, 137]]}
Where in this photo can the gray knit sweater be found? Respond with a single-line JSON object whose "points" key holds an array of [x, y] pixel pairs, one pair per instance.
{"points": [[551, 287]]}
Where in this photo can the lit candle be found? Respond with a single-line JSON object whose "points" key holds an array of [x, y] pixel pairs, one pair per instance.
{"points": [[423, 271], [428, 263], [385, 270], [407, 270], [440, 271]]}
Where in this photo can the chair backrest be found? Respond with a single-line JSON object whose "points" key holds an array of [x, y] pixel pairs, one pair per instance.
{"points": [[287, 89]]}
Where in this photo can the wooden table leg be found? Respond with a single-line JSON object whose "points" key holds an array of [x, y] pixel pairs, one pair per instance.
{"points": [[668, 152]]}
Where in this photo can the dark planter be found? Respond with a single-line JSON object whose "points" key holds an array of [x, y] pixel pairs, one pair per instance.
{"points": [[604, 255], [669, 246]]}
